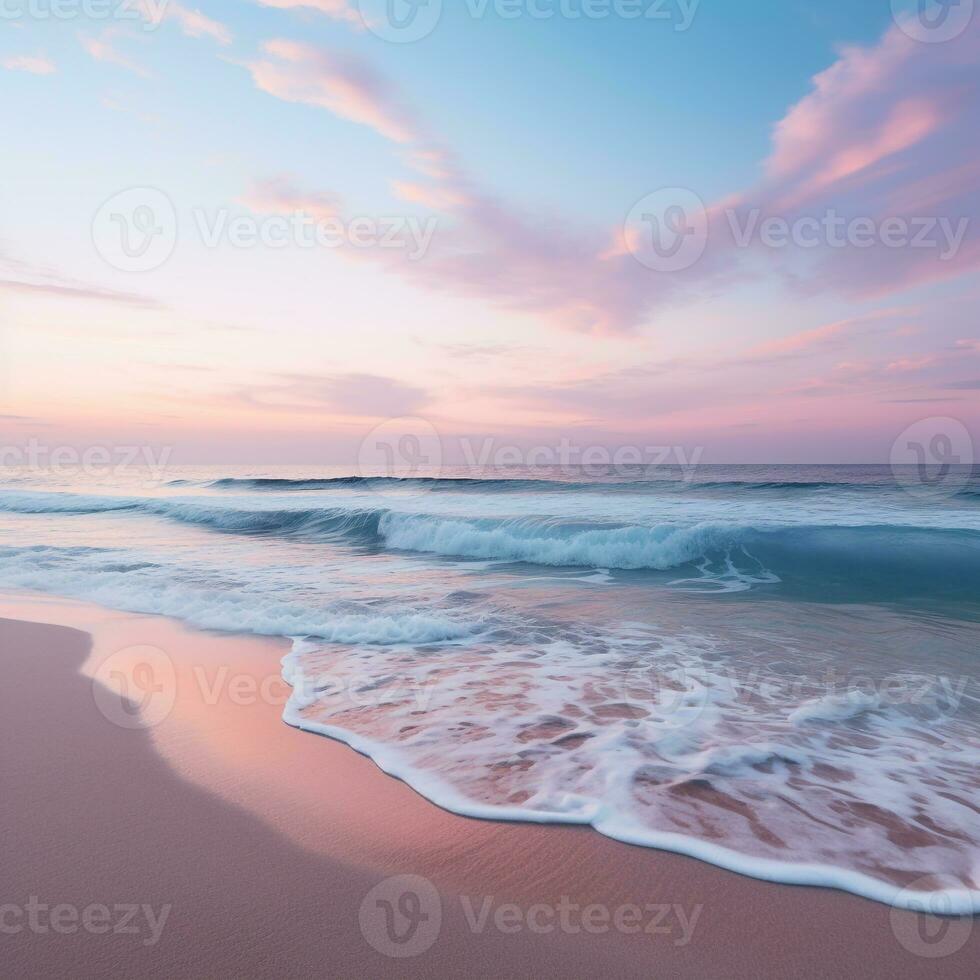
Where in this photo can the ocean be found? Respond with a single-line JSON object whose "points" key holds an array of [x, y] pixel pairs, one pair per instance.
{"points": [[770, 668]]}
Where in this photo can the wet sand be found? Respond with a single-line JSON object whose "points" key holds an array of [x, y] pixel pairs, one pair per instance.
{"points": [[233, 845]]}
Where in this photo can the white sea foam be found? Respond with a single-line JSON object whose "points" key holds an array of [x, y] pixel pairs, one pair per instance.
{"points": [[212, 602], [835, 707], [534, 736]]}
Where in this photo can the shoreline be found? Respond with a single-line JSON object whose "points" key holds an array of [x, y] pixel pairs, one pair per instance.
{"points": [[954, 901], [271, 845]]}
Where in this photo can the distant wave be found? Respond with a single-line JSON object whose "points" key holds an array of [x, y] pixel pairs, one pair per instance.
{"points": [[31, 502], [488, 485], [318, 523], [369, 482], [627, 484]]}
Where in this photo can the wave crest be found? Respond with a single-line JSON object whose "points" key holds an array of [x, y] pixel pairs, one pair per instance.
{"points": [[630, 547]]}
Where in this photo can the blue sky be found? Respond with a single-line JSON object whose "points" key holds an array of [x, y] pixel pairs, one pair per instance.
{"points": [[534, 105]]}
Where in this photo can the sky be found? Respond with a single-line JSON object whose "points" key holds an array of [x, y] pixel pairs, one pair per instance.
{"points": [[259, 231]]}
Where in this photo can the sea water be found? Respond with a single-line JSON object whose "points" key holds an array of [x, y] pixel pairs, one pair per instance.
{"points": [[773, 669]]}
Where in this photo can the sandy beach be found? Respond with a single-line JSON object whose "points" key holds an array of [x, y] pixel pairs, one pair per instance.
{"points": [[220, 842]]}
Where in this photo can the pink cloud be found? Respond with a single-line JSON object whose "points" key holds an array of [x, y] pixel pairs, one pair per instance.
{"points": [[493, 251], [888, 133], [905, 364], [907, 124], [925, 371], [190, 21], [351, 395], [281, 197], [432, 163], [35, 65], [194, 24], [278, 195], [101, 48], [537, 265], [437, 198], [336, 9], [926, 195], [806, 340], [346, 87], [17, 276], [833, 113]]}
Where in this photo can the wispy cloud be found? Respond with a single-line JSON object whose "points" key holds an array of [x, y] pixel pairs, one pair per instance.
{"points": [[34, 64], [114, 105], [822, 336], [885, 133], [483, 351], [435, 197], [191, 22], [20, 277], [335, 9], [353, 395], [77, 292], [280, 195], [625, 395], [920, 371], [340, 83], [918, 401], [528, 263], [102, 48]]}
